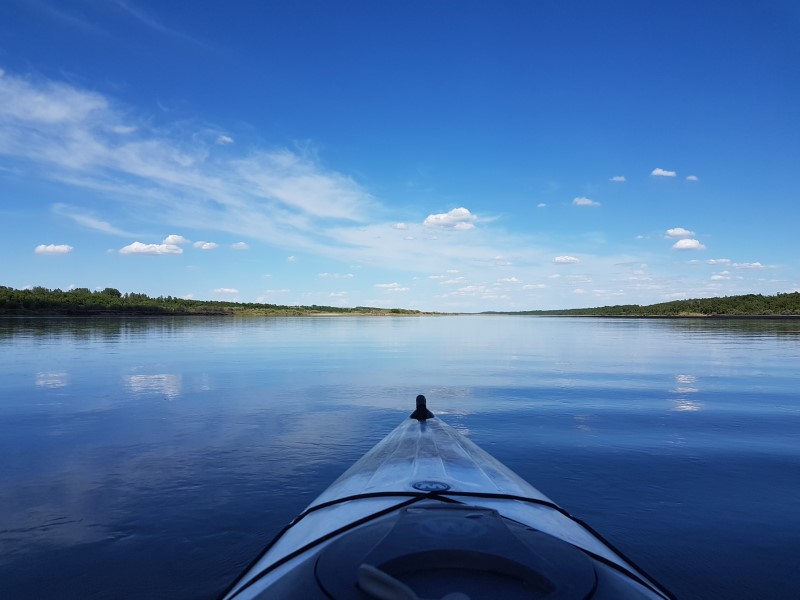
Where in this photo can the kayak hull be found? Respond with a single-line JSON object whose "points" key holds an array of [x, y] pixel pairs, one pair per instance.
{"points": [[426, 477]]}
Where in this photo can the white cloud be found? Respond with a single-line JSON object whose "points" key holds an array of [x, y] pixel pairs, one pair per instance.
{"points": [[391, 287], [678, 232], [240, 246], [68, 135], [458, 219], [618, 178], [87, 220], [206, 245], [688, 244], [401, 226], [335, 276], [721, 276], [658, 172], [226, 291], [541, 205], [291, 259], [718, 261], [534, 286], [583, 201], [566, 260], [174, 239], [155, 249], [509, 280], [224, 140], [752, 265], [53, 249], [692, 178]]}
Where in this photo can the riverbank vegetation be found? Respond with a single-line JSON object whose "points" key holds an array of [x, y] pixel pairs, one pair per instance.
{"points": [[749, 305], [110, 301]]}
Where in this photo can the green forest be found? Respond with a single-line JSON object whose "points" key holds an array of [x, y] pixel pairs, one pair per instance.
{"points": [[750, 305], [81, 301], [43, 301]]}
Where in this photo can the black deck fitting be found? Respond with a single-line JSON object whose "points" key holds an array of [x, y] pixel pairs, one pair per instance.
{"points": [[421, 413]]}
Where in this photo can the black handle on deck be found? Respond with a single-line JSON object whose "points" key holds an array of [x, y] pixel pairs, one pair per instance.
{"points": [[421, 413]]}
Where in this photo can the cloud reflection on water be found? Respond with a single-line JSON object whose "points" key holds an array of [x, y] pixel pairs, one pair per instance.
{"points": [[167, 384], [686, 385]]}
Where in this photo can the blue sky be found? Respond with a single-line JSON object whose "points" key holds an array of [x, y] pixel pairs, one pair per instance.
{"points": [[437, 155]]}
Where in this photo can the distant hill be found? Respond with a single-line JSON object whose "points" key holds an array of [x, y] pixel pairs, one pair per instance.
{"points": [[110, 301], [749, 305]]}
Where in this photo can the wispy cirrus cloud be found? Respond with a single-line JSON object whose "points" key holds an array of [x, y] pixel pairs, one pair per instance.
{"points": [[618, 179], [88, 220], [58, 131]]}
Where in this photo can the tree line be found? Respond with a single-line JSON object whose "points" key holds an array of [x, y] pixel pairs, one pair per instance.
{"points": [[41, 300], [787, 304]]}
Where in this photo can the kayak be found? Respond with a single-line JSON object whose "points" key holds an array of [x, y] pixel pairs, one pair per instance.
{"points": [[428, 514]]}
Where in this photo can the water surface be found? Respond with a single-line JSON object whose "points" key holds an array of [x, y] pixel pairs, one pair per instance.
{"points": [[155, 457]]}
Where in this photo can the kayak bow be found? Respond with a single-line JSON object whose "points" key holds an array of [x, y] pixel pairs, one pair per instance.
{"points": [[428, 514]]}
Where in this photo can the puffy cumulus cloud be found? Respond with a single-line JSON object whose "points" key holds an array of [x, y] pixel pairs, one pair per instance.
{"points": [[751, 265], [678, 232], [154, 249], [721, 276], [509, 280], [226, 291], [658, 172], [618, 178], [692, 178], [224, 140], [583, 201], [688, 244], [718, 261], [566, 260], [53, 249], [206, 245], [401, 226], [391, 287], [175, 239], [458, 219], [240, 246]]}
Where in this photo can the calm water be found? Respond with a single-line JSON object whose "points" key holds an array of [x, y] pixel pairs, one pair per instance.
{"points": [[154, 457]]}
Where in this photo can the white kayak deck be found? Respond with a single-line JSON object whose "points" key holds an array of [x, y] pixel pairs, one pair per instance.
{"points": [[431, 459]]}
